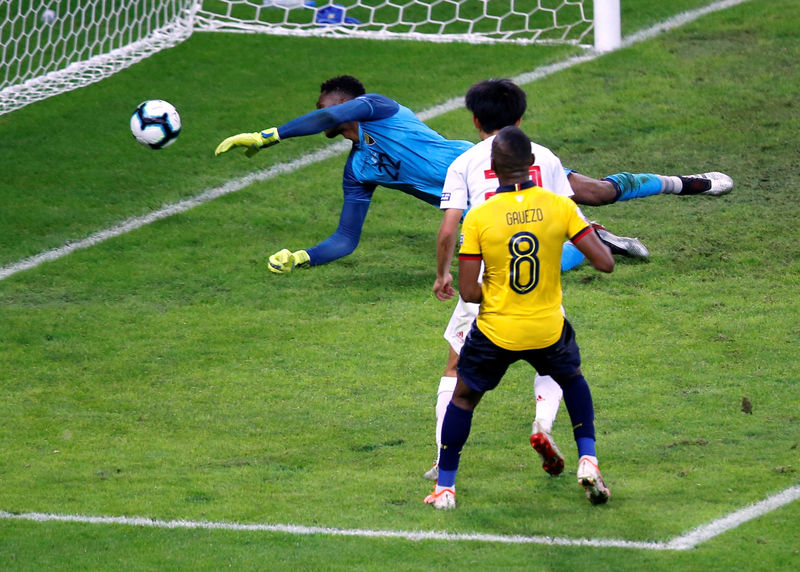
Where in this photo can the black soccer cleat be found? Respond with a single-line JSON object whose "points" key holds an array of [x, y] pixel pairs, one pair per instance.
{"points": [[713, 183]]}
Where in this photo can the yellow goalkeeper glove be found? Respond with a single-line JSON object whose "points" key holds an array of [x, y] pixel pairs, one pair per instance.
{"points": [[253, 141], [284, 261]]}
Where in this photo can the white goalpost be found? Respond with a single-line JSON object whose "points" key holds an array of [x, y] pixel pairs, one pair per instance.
{"points": [[50, 48], [474, 21], [607, 25]]}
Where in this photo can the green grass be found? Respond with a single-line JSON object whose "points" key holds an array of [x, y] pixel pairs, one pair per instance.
{"points": [[165, 374]]}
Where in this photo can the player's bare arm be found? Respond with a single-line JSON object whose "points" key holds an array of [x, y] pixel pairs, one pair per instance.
{"points": [[469, 288], [594, 250], [445, 247]]}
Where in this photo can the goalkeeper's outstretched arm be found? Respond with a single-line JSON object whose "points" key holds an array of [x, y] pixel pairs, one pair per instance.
{"points": [[359, 109], [346, 238], [338, 245], [367, 108]]}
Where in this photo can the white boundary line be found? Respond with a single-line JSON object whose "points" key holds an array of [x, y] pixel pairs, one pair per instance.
{"points": [[173, 209], [685, 542], [716, 527], [336, 149]]}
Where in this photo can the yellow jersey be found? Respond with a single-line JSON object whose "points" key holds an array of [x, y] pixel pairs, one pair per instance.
{"points": [[519, 234]]}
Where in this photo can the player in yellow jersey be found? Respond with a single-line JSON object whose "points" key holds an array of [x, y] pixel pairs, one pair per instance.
{"points": [[518, 235]]}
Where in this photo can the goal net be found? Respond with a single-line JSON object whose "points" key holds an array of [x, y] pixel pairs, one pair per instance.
{"points": [[47, 49], [474, 21], [50, 48]]}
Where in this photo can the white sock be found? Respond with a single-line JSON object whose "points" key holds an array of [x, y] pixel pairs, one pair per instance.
{"points": [[548, 398], [447, 385], [671, 184]]}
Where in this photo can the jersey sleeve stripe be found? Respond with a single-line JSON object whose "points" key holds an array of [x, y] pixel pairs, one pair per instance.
{"points": [[581, 234], [468, 256]]}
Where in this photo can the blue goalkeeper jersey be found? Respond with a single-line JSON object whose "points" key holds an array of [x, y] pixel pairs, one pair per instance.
{"points": [[400, 152], [395, 150]]}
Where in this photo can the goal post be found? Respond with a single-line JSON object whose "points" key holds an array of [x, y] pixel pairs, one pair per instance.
{"points": [[473, 21], [47, 48], [607, 25]]}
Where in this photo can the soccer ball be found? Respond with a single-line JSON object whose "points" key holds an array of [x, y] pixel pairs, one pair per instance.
{"points": [[156, 124]]}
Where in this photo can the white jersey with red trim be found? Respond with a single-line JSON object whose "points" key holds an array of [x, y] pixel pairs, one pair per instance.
{"points": [[470, 179]]}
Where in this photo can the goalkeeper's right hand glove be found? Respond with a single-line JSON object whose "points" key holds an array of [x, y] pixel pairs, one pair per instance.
{"points": [[284, 261], [253, 141]]}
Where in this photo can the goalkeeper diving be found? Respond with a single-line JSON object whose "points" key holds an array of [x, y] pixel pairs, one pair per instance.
{"points": [[393, 148]]}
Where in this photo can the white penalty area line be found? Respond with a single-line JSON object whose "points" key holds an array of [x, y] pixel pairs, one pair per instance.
{"points": [[684, 542], [714, 528], [175, 208], [338, 148], [544, 71]]}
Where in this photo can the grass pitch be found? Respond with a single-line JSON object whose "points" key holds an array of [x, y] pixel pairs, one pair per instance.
{"points": [[165, 374]]}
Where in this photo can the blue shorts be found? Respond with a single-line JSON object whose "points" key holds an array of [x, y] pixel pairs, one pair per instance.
{"points": [[482, 364]]}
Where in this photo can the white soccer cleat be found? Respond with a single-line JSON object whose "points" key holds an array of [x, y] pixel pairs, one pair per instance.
{"points": [[432, 474], [712, 183], [591, 480], [445, 499], [542, 443], [622, 245]]}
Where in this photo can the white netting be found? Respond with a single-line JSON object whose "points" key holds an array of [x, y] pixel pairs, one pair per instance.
{"points": [[50, 49], [47, 49], [474, 21]]}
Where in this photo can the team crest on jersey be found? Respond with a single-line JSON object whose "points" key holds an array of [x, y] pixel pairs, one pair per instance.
{"points": [[380, 160]]}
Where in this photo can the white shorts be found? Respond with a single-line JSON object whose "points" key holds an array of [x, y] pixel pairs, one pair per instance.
{"points": [[460, 323]]}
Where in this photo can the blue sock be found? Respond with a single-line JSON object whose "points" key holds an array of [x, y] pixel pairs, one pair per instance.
{"points": [[635, 185], [586, 447], [570, 257], [446, 478], [578, 399], [455, 431]]}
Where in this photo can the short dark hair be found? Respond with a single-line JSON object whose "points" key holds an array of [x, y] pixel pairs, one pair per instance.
{"points": [[496, 103], [511, 151], [346, 84]]}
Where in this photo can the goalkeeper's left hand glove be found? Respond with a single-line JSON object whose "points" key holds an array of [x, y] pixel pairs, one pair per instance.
{"points": [[284, 261], [253, 141]]}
